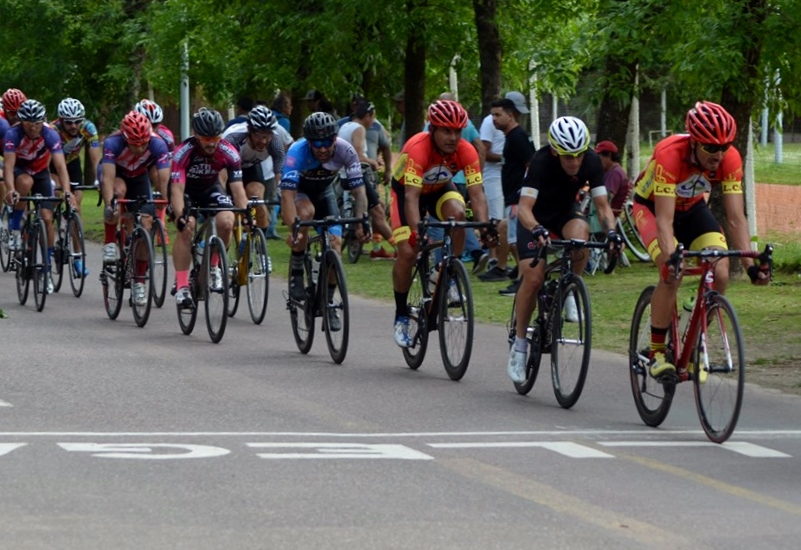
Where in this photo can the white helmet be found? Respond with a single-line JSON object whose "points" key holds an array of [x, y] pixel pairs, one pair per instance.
{"points": [[151, 110], [71, 109], [569, 136]]}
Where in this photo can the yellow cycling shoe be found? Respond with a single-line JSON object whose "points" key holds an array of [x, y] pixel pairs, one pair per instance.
{"points": [[659, 365], [702, 375]]}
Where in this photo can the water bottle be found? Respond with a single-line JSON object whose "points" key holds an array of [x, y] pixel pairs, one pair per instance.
{"points": [[433, 278], [242, 245], [199, 251], [316, 266], [686, 312]]}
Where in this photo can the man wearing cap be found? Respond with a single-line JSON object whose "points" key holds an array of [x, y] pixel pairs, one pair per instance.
{"points": [[615, 179]]}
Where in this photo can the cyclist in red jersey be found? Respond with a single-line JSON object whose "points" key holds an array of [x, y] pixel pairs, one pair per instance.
{"points": [[12, 99], [422, 185], [670, 207]]}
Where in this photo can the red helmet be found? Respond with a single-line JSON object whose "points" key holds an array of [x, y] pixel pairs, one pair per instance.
{"points": [[447, 114], [12, 99], [136, 128], [711, 124]]}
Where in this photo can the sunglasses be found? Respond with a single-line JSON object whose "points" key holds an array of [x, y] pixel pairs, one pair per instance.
{"points": [[77, 122], [714, 149], [320, 143], [209, 140]]}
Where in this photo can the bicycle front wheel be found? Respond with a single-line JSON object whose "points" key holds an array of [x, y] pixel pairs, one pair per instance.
{"points": [[571, 341], [652, 397], [5, 234], [416, 306], [336, 315], [258, 276], [216, 291], [74, 246], [534, 337], [60, 251], [719, 370], [301, 314], [40, 265], [22, 262], [158, 238], [142, 278], [234, 274], [455, 320]]}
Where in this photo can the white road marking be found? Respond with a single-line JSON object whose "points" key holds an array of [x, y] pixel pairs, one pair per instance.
{"points": [[741, 447], [567, 448], [6, 448], [5, 404], [341, 450], [145, 451]]}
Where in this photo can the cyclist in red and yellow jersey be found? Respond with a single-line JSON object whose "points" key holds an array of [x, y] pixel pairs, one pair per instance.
{"points": [[422, 185], [670, 207]]}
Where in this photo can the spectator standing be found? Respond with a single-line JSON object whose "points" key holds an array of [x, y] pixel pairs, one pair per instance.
{"points": [[615, 179], [282, 109]]}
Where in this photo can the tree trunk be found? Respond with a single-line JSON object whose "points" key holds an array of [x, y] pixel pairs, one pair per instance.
{"points": [[613, 114], [415, 68], [489, 50]]}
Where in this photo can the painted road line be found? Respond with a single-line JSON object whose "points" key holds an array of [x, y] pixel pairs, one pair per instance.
{"points": [[6, 448], [340, 450], [5, 404], [741, 447], [566, 448]]}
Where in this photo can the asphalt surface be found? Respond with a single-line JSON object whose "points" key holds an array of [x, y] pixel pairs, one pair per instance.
{"points": [[114, 436]]}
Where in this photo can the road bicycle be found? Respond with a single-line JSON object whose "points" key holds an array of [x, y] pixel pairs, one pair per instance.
{"points": [[569, 343], [69, 249], [249, 263], [441, 303], [134, 268], [5, 234], [627, 228], [158, 236], [352, 246], [329, 301], [709, 351], [30, 262], [208, 253]]}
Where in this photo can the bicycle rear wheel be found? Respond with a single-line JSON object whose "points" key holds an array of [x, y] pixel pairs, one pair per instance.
{"points": [[142, 257], [628, 230], [60, 251], [652, 397], [456, 320], [571, 341], [40, 266], [534, 337], [158, 238], [258, 276], [719, 370], [418, 318], [22, 262], [5, 234], [216, 291], [74, 246], [187, 316], [336, 314], [301, 314]]}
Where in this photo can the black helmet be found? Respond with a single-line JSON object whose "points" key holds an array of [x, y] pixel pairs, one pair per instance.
{"points": [[208, 123], [31, 111], [261, 118], [319, 126]]}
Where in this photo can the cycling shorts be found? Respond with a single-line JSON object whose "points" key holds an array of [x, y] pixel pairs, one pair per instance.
{"points": [[430, 204], [527, 246], [213, 196], [695, 228], [325, 204], [42, 185]]}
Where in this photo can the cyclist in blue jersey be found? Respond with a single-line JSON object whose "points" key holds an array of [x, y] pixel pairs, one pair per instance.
{"points": [[311, 166]]}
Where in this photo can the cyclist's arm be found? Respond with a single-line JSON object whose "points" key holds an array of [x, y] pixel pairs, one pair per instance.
{"points": [[357, 138], [107, 185], [478, 201], [9, 160], [525, 209], [602, 205], [734, 205], [162, 179], [61, 170], [386, 154], [411, 199], [94, 159], [238, 193]]}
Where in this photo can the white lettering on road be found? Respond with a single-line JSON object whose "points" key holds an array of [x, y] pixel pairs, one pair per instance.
{"points": [[567, 448], [6, 448], [741, 447], [5, 404], [341, 450], [145, 451]]}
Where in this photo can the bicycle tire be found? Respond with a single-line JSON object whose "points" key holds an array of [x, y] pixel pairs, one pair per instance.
{"points": [[235, 261], [534, 337], [571, 342], [216, 299], [631, 236], [75, 249], [416, 305], [187, 316], [353, 246], [301, 314], [23, 261], [5, 235], [141, 248], [456, 321], [653, 398], [158, 238], [258, 276], [721, 355], [335, 299], [59, 251], [40, 265]]}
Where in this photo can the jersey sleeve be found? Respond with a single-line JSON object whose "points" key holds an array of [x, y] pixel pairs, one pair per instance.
{"points": [[353, 167], [470, 163], [290, 177], [732, 173]]}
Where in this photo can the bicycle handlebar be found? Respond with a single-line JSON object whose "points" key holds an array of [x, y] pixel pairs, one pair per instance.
{"points": [[765, 257], [327, 222], [574, 244]]}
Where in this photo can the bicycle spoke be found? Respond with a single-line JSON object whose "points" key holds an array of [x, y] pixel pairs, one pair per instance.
{"points": [[455, 320]]}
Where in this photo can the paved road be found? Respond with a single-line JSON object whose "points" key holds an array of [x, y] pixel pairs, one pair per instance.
{"points": [[112, 436]]}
